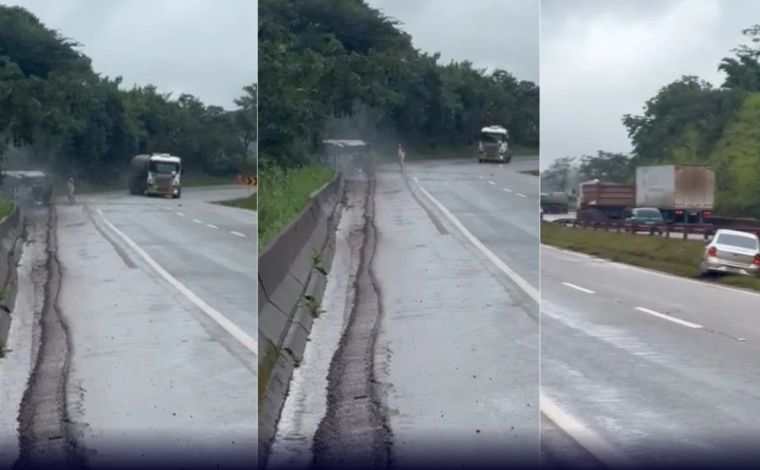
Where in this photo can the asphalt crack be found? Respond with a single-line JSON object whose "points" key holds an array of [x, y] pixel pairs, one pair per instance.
{"points": [[354, 431], [44, 425]]}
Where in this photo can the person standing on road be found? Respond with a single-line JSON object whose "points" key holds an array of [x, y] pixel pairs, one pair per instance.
{"points": [[71, 188], [401, 156]]}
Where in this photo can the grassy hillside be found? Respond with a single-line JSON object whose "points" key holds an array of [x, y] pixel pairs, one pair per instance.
{"points": [[736, 159], [734, 155]]}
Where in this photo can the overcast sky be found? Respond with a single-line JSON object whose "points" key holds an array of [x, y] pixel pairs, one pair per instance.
{"points": [[601, 59], [200, 47], [489, 33]]}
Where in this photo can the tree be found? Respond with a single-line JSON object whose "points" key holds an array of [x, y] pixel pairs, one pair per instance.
{"points": [[607, 166], [327, 59], [75, 121], [558, 176]]}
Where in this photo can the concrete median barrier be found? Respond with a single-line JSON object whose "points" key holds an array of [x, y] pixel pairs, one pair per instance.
{"points": [[11, 228], [290, 294]]}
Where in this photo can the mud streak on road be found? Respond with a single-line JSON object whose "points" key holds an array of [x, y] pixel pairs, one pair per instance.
{"points": [[43, 421], [355, 430]]}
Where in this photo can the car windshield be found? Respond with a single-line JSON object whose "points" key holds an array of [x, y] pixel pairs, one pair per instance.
{"points": [[162, 167], [648, 214], [737, 240]]}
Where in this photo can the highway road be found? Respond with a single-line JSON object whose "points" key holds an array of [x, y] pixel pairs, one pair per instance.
{"points": [[645, 368], [453, 362], [160, 306]]}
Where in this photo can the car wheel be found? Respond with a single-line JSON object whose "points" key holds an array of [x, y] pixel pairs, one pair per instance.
{"points": [[703, 272]]}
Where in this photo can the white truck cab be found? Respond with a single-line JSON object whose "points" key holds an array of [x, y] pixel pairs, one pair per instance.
{"points": [[156, 174], [493, 145]]}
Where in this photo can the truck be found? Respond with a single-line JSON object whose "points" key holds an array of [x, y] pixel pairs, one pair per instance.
{"points": [[493, 145], [683, 193], [27, 186], [156, 174], [554, 203], [598, 200]]}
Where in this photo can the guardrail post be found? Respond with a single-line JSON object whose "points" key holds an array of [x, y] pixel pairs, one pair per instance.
{"points": [[686, 233]]}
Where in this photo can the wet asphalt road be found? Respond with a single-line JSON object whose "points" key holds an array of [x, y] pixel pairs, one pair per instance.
{"points": [[455, 363], [496, 202], [152, 373], [457, 352], [660, 369]]}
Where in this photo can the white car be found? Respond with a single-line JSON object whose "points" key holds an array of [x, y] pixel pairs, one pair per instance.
{"points": [[732, 251]]}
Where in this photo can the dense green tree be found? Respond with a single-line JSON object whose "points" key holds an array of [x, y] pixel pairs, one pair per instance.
{"points": [[75, 121], [326, 59], [607, 166]]}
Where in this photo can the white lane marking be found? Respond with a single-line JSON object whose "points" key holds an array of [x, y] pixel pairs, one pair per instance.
{"points": [[582, 289], [521, 195], [491, 183], [507, 190], [630, 267], [211, 226], [237, 234], [241, 336], [587, 438], [479, 176], [197, 221], [584, 436], [180, 214], [516, 278], [669, 318]]}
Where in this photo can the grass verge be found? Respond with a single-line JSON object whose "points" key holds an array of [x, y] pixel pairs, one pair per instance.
{"points": [[670, 255], [202, 179], [249, 202], [286, 194], [6, 207]]}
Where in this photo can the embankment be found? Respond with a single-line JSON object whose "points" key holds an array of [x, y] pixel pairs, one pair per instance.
{"points": [[669, 255]]}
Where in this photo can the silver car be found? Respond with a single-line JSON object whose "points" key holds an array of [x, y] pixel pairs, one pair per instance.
{"points": [[731, 251]]}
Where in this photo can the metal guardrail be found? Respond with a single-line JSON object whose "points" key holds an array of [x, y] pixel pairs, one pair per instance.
{"points": [[704, 230]]}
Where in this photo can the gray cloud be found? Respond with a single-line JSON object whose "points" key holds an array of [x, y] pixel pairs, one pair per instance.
{"points": [[601, 59], [489, 33], [208, 49]]}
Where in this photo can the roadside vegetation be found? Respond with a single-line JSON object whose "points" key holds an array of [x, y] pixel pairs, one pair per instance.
{"points": [[360, 67], [250, 202], [670, 255], [341, 69], [57, 114], [287, 191], [690, 121], [6, 207]]}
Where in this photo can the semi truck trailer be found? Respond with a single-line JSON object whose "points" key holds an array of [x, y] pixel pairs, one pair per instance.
{"points": [[683, 193]]}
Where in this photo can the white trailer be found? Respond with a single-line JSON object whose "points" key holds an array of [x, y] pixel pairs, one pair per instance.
{"points": [[683, 193]]}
